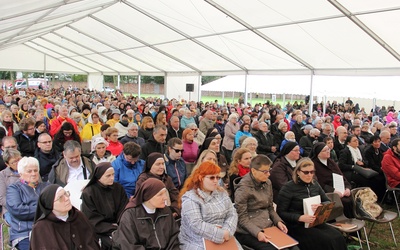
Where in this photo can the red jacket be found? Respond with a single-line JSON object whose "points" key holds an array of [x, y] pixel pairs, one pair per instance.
{"points": [[56, 125], [391, 167], [115, 147]]}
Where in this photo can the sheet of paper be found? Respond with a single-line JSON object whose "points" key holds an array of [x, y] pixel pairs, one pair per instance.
{"points": [[338, 183], [307, 202], [75, 189]]}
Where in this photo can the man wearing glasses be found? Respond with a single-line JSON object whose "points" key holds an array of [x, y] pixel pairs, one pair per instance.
{"points": [[26, 140], [174, 164], [46, 155], [7, 143]]}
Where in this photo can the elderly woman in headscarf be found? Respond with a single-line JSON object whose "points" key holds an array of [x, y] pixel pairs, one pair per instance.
{"points": [[282, 168], [147, 223], [155, 168], [59, 225], [103, 202], [325, 167]]}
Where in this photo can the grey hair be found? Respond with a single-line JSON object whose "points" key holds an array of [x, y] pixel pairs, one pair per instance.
{"points": [[191, 125], [132, 125], [71, 145], [25, 162], [10, 153], [314, 131]]}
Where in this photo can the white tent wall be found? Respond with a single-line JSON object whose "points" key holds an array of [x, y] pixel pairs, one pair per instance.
{"points": [[175, 87], [95, 81]]}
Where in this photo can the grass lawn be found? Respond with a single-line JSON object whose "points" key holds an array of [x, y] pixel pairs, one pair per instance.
{"points": [[229, 99], [381, 237]]}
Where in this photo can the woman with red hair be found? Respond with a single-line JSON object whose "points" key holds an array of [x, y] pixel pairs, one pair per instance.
{"points": [[207, 211]]}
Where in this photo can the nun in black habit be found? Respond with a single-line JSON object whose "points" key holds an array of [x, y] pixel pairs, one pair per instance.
{"points": [[59, 225], [103, 201]]}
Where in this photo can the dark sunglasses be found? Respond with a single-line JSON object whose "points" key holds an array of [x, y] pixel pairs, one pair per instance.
{"points": [[308, 172], [212, 178], [178, 150]]}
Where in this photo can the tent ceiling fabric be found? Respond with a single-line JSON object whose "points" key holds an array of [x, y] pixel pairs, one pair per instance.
{"points": [[208, 37], [332, 86]]}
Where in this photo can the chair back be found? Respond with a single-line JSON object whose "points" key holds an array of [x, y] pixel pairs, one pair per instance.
{"points": [[337, 210]]}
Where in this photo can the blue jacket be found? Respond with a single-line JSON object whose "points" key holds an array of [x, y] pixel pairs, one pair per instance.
{"points": [[177, 171], [127, 174], [21, 204], [240, 134]]}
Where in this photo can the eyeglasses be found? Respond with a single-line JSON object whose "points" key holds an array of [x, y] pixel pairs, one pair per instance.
{"points": [[308, 172], [212, 178], [263, 171], [14, 162], [62, 197], [178, 150]]}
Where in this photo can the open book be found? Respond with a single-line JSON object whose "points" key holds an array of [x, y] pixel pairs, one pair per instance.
{"points": [[227, 245], [279, 239]]}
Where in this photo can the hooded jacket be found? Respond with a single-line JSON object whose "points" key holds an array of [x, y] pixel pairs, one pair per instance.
{"points": [[127, 174]]}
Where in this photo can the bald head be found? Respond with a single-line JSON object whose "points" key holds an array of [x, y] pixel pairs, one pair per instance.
{"points": [[342, 133]]}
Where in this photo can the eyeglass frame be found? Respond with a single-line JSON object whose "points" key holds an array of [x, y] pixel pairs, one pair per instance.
{"points": [[66, 194]]}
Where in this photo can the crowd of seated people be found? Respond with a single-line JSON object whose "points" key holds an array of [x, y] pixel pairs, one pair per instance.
{"points": [[167, 173]]}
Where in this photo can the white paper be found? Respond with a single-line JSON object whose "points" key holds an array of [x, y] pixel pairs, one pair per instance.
{"points": [[75, 189], [307, 202], [338, 182]]}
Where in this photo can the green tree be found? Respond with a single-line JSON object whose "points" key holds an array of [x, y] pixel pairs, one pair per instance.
{"points": [[207, 79]]}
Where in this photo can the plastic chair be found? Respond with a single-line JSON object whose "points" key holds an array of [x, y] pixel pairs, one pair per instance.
{"points": [[339, 217], [393, 190], [386, 216]]}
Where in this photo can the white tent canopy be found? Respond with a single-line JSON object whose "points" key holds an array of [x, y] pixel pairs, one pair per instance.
{"points": [[379, 87], [194, 37]]}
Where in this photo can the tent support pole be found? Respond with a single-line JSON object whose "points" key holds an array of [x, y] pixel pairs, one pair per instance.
{"points": [[223, 98], [233, 97], [199, 88], [139, 83], [119, 81], [245, 89], [283, 100], [324, 107], [44, 73], [311, 100]]}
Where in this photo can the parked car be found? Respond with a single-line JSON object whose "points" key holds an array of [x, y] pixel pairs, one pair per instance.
{"points": [[108, 89]]}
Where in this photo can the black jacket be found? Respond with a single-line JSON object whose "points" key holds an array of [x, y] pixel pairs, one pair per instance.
{"points": [[25, 146], [265, 143], [46, 161], [290, 202], [171, 133], [152, 146]]}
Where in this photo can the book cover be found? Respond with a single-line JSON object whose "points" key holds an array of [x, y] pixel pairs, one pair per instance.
{"points": [[322, 214], [279, 239], [345, 226], [227, 245]]}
